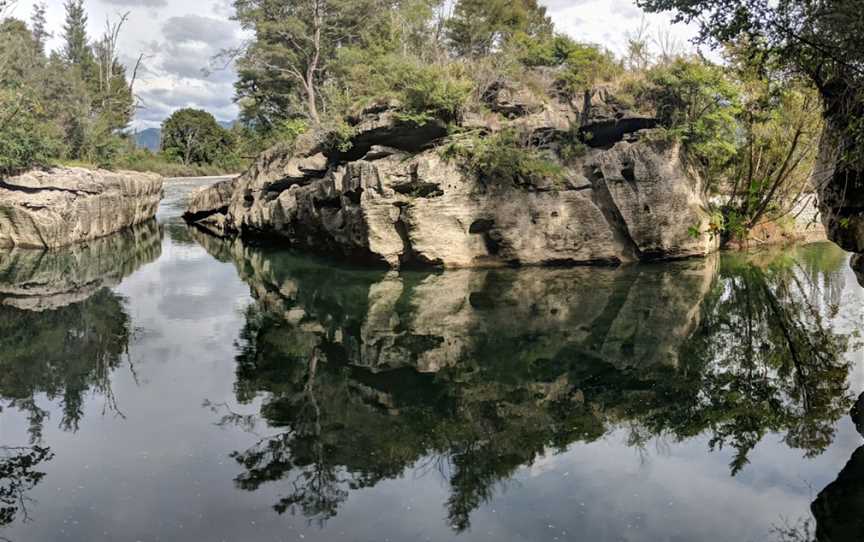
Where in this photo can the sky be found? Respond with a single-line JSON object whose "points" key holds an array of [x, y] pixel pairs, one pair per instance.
{"points": [[179, 37]]}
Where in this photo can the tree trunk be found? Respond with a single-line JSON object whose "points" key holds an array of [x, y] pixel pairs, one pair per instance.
{"points": [[312, 69]]}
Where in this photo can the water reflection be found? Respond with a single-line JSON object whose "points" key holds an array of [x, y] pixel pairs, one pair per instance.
{"points": [[19, 474], [858, 267], [474, 374], [62, 330], [839, 508]]}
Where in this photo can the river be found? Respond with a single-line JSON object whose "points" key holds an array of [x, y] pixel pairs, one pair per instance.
{"points": [[163, 385]]}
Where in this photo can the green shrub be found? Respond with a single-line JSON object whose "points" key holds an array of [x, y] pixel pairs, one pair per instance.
{"points": [[584, 67], [26, 140], [437, 91], [542, 51], [504, 158], [697, 104], [423, 91]]}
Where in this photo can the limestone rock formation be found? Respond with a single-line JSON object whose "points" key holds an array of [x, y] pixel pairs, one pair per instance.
{"points": [[393, 199], [841, 193], [858, 267], [39, 280], [50, 209]]}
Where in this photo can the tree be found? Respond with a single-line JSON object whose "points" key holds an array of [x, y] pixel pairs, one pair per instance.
{"points": [[479, 27], [698, 104], [638, 53], [194, 137], [76, 48], [40, 32], [780, 120], [114, 98], [825, 42], [295, 43], [27, 135]]}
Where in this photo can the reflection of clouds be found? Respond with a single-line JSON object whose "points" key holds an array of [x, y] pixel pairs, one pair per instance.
{"points": [[850, 319], [603, 486]]}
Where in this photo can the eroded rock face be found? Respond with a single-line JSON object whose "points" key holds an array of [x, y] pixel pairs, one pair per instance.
{"points": [[400, 203], [49, 209], [39, 280], [858, 267], [841, 191]]}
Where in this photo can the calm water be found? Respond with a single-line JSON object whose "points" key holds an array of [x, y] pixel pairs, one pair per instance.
{"points": [[164, 385]]}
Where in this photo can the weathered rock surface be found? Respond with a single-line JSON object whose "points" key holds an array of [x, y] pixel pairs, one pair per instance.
{"points": [[841, 191], [39, 280], [50, 209], [858, 267], [393, 199]]}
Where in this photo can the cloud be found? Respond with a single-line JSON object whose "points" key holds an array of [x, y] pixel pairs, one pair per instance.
{"points": [[191, 44], [138, 3], [161, 98], [216, 33]]}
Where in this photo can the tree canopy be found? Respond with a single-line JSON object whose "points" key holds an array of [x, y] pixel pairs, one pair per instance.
{"points": [[194, 137]]}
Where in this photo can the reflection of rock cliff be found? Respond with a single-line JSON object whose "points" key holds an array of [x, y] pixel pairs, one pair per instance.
{"points": [[839, 508], [629, 316], [482, 371], [49, 279]]}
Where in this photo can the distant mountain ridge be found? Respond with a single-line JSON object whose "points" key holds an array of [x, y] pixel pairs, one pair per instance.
{"points": [[151, 138]]}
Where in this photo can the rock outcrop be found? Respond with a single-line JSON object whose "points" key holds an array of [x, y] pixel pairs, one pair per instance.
{"points": [[40, 280], [50, 209], [393, 199], [841, 186]]}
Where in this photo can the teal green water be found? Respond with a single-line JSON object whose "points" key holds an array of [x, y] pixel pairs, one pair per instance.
{"points": [[165, 385]]}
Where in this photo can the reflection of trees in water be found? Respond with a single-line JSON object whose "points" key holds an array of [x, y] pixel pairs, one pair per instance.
{"points": [[62, 330], [751, 355], [18, 475], [62, 333], [768, 360], [64, 354]]}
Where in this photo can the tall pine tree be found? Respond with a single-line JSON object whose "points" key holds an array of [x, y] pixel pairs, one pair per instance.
{"points": [[76, 49], [39, 23]]}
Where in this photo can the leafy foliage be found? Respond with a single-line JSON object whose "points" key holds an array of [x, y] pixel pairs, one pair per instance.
{"points": [[507, 158], [479, 27], [72, 106], [698, 104], [193, 136]]}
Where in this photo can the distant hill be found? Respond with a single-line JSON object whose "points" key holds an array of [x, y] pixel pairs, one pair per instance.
{"points": [[149, 139]]}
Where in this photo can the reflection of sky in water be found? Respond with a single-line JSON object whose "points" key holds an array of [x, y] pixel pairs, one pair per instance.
{"points": [[159, 467]]}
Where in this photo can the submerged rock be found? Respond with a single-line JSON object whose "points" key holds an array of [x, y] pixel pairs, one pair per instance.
{"points": [[394, 199], [62, 206]]}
